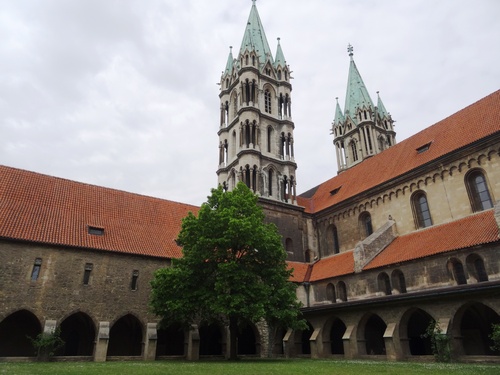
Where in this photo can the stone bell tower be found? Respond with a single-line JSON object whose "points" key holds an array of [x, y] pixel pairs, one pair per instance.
{"points": [[256, 127]]}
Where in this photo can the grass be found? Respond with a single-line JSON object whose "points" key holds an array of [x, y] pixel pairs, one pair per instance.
{"points": [[246, 367]]}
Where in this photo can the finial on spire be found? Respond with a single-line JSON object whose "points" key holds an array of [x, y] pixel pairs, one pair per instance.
{"points": [[350, 49], [278, 40]]}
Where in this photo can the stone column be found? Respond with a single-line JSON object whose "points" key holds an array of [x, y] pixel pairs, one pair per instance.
{"points": [[193, 350], [316, 344], [289, 343], [350, 343], [392, 347], [150, 342], [101, 345]]}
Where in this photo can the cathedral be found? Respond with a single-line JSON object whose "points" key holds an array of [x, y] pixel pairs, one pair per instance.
{"points": [[406, 234]]}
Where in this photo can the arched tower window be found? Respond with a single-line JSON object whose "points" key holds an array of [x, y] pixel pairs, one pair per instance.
{"points": [[421, 211], [365, 222], [279, 74], [289, 245], [267, 101], [269, 138], [477, 188], [354, 151], [270, 182]]}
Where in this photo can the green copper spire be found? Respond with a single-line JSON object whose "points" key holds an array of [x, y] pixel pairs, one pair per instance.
{"points": [[339, 117], [254, 38], [230, 59], [381, 108], [280, 58], [357, 94]]}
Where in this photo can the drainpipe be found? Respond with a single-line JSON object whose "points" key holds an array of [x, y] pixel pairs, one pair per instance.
{"points": [[307, 286]]}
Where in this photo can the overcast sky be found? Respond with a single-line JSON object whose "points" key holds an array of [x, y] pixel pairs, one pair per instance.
{"points": [[123, 94]]}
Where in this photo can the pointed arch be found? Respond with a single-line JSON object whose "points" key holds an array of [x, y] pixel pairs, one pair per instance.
{"points": [[14, 332], [78, 332], [125, 337]]}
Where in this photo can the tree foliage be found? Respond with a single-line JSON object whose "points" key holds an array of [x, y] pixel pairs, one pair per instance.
{"points": [[233, 268]]}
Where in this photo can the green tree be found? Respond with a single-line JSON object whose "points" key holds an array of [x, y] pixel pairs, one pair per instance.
{"points": [[233, 269]]}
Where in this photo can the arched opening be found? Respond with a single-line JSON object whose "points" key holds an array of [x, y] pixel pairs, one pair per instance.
{"points": [[341, 291], [417, 324], [384, 284], [289, 245], [247, 342], [336, 333], [475, 267], [398, 281], [278, 341], [170, 341], [374, 335], [365, 223], [211, 341], [14, 332], [125, 337], [330, 293], [456, 269], [305, 344], [475, 327], [78, 333]]}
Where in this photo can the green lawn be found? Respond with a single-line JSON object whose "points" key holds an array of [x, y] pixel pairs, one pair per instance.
{"points": [[246, 367]]}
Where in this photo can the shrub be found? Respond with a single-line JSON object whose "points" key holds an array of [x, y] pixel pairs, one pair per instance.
{"points": [[440, 342], [46, 344], [495, 337]]}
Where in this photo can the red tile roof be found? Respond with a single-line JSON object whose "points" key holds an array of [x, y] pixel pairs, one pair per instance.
{"points": [[472, 123], [300, 271], [336, 265], [473, 230], [51, 210]]}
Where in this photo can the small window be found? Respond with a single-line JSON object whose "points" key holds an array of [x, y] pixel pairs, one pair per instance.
{"points": [[335, 191], [398, 281], [36, 269], [384, 284], [457, 271], [97, 231], [423, 148], [86, 274], [330, 293], [342, 291], [365, 221], [134, 282], [336, 242]]}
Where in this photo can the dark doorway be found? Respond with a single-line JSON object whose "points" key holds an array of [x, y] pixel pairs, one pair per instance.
{"points": [[14, 332], [125, 337]]}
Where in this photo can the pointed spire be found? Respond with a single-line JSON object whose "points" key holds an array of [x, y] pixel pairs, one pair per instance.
{"points": [[381, 108], [230, 59], [255, 37], [280, 58], [357, 95], [339, 117]]}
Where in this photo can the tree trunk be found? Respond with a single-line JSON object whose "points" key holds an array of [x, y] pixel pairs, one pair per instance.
{"points": [[233, 338]]}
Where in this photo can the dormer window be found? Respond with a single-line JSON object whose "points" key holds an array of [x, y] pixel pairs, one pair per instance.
{"points": [[423, 148], [335, 191], [96, 231]]}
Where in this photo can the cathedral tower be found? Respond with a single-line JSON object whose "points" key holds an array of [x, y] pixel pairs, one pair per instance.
{"points": [[363, 130], [256, 128]]}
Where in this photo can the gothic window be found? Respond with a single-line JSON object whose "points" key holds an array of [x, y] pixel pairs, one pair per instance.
{"points": [[253, 60], [384, 284], [389, 140], [270, 183], [341, 291], [233, 144], [457, 271], [289, 245], [36, 269], [354, 151], [475, 266], [247, 176], [86, 273], [235, 106], [267, 101], [269, 138], [336, 244], [477, 189], [134, 281], [286, 75], [307, 256], [254, 178], [365, 115], [332, 240], [246, 60], [330, 293], [421, 211], [398, 281], [282, 144], [279, 74], [365, 221]]}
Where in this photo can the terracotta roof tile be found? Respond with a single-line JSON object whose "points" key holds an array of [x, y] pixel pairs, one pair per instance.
{"points": [[51, 210], [336, 265], [479, 228], [475, 121], [300, 271]]}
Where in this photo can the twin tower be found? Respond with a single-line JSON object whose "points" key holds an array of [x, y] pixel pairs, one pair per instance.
{"points": [[256, 127]]}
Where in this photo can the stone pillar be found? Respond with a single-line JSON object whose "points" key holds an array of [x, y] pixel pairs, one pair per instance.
{"points": [[289, 343], [101, 345], [193, 349], [150, 342], [316, 344], [350, 343], [392, 348]]}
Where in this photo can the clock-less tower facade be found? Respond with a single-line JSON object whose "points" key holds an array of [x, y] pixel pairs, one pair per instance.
{"points": [[256, 127]]}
